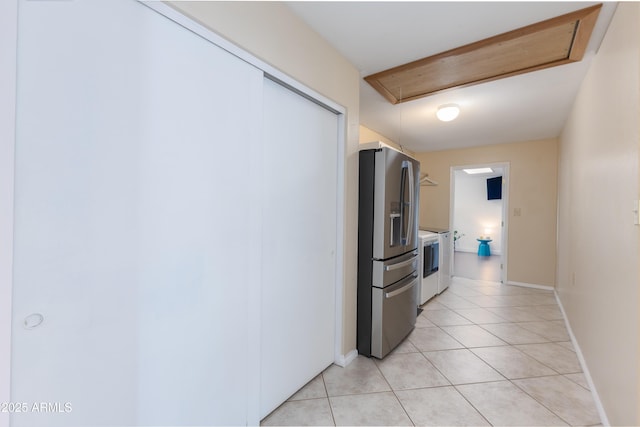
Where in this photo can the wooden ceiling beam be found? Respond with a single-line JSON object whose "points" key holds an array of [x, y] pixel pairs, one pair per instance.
{"points": [[545, 44]]}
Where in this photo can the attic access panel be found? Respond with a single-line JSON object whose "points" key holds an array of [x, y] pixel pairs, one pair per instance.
{"points": [[556, 41]]}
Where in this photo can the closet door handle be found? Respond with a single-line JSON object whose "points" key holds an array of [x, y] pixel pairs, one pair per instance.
{"points": [[33, 320]]}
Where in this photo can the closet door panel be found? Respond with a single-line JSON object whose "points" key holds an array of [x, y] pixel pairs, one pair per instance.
{"points": [[299, 242], [133, 215]]}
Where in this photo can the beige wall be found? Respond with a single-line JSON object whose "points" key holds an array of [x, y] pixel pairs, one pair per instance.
{"points": [[271, 32], [597, 240], [531, 254], [368, 135]]}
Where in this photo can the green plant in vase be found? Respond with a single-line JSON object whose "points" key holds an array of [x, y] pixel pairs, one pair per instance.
{"points": [[456, 236]]}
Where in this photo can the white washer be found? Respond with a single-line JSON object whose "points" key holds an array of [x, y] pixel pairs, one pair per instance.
{"points": [[446, 252], [428, 266], [445, 260]]}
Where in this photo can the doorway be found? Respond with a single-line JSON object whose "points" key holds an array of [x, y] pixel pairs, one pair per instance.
{"points": [[478, 216]]}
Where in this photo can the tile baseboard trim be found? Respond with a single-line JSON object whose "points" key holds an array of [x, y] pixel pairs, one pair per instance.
{"points": [[530, 285], [594, 392], [343, 360]]}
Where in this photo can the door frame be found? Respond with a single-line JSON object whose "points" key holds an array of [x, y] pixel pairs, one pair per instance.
{"points": [[505, 210], [8, 74]]}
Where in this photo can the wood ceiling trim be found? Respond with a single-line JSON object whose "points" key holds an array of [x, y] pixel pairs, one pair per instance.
{"points": [[556, 41]]}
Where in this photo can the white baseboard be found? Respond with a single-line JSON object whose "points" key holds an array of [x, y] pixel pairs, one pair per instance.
{"points": [[467, 250], [475, 251], [343, 360], [530, 285], [596, 397]]}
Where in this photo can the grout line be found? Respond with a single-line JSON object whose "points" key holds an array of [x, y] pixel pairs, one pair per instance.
{"points": [[472, 405], [403, 408], [436, 368], [326, 391], [576, 382], [365, 393], [543, 405], [394, 393]]}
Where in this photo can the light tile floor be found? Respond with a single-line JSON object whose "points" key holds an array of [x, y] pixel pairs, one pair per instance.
{"points": [[472, 266], [482, 353]]}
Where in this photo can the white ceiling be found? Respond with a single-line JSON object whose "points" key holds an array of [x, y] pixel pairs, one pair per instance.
{"points": [[375, 36]]}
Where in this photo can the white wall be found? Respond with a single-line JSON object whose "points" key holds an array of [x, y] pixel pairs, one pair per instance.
{"points": [[597, 239], [474, 214]]}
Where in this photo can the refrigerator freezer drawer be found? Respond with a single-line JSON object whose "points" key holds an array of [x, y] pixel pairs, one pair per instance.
{"points": [[390, 271], [394, 315]]}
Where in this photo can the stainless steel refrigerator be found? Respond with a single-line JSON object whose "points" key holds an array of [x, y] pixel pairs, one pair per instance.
{"points": [[387, 249]]}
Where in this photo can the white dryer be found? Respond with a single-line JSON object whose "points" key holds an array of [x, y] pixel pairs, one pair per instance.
{"points": [[445, 254], [429, 265]]}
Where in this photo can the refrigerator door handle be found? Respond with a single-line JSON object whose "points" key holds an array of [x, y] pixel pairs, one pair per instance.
{"points": [[401, 264], [406, 232], [410, 226], [412, 281]]}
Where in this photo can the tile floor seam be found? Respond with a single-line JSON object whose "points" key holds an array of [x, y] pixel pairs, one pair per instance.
{"points": [[437, 369], [403, 408], [545, 364], [326, 391], [454, 338], [474, 406], [501, 339], [476, 382], [508, 343], [575, 382], [470, 320], [528, 355], [541, 403], [525, 354], [441, 386], [419, 388], [394, 393], [362, 393], [382, 373]]}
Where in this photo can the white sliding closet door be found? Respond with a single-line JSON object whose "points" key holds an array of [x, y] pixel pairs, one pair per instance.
{"points": [[134, 219], [299, 242]]}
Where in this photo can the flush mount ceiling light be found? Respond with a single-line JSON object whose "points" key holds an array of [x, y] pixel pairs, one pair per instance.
{"points": [[448, 112], [478, 170], [549, 43]]}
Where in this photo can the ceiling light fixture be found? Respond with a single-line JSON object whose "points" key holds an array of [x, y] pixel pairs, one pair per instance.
{"points": [[478, 170], [448, 112]]}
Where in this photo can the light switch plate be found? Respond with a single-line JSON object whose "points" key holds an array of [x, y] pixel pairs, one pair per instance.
{"points": [[636, 212]]}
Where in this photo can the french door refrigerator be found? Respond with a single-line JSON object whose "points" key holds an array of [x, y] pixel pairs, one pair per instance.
{"points": [[388, 259]]}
